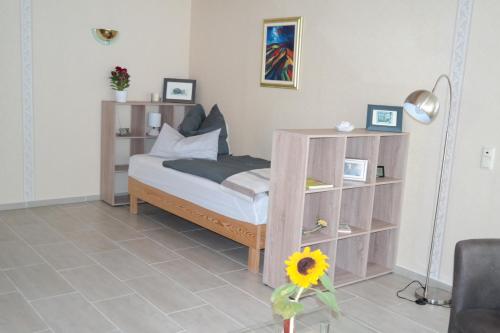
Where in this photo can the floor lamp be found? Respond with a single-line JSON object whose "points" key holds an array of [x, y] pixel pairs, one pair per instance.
{"points": [[423, 106]]}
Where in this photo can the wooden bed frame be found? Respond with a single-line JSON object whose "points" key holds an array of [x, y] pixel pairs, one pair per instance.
{"points": [[251, 235]]}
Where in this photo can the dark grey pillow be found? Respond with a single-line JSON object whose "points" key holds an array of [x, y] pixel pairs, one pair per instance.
{"points": [[214, 121], [192, 121]]}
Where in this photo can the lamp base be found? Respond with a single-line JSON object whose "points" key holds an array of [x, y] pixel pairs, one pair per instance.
{"points": [[154, 131], [434, 296]]}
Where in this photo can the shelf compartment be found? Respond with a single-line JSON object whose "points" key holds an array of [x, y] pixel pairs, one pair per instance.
{"points": [[324, 205], [121, 168], [356, 209], [387, 180], [364, 148], [387, 203], [392, 155], [350, 262], [381, 253], [322, 162]]}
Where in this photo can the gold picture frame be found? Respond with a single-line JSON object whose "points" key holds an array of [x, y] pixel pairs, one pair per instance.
{"points": [[281, 50]]}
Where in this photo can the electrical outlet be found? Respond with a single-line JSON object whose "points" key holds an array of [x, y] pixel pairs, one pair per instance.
{"points": [[488, 158]]}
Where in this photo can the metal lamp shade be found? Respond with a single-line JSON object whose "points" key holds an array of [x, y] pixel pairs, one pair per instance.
{"points": [[422, 105]]}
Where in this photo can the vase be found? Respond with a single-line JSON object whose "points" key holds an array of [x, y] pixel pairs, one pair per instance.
{"points": [[288, 325], [121, 96]]}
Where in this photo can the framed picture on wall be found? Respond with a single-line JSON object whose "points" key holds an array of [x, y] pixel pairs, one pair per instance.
{"points": [[281, 52], [384, 118], [179, 90]]}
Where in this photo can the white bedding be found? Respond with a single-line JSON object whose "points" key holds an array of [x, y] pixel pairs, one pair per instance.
{"points": [[203, 192]]}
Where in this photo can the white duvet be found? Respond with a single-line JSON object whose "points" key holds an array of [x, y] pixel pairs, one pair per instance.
{"points": [[203, 192]]}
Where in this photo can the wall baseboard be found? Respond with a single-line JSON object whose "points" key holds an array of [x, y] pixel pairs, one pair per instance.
{"points": [[417, 276], [50, 202]]}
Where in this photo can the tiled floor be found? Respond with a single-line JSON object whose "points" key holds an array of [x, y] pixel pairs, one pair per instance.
{"points": [[92, 268]]}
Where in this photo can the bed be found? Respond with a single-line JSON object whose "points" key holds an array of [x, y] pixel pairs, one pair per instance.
{"points": [[200, 201]]}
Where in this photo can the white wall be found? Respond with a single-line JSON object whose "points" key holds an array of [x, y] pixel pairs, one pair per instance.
{"points": [[70, 73], [474, 210], [11, 140], [354, 53]]}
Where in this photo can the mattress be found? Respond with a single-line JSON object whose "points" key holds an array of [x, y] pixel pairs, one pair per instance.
{"points": [[200, 191]]}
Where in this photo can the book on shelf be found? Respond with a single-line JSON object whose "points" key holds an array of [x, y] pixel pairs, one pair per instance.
{"points": [[344, 228], [314, 184]]}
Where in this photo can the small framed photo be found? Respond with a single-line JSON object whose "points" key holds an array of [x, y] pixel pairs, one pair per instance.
{"points": [[179, 90], [384, 118], [355, 169], [380, 171]]}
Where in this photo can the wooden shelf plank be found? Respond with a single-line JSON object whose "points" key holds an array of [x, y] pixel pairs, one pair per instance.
{"points": [[316, 238], [379, 225], [121, 168], [387, 180], [146, 103], [353, 184], [135, 137], [355, 232], [322, 190]]}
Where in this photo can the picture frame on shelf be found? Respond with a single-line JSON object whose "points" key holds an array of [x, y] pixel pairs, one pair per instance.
{"points": [[281, 48], [380, 171], [384, 118], [179, 90], [355, 169]]}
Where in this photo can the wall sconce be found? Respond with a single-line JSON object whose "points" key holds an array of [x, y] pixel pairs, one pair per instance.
{"points": [[105, 36]]}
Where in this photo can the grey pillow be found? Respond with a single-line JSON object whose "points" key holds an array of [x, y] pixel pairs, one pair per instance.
{"points": [[214, 121], [192, 121]]}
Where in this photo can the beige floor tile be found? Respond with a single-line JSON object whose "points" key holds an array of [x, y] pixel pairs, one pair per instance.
{"points": [[19, 217], [238, 305], [6, 234], [435, 317], [149, 250], [38, 281], [210, 260], [117, 231], [148, 209], [164, 293], [71, 313], [171, 239], [337, 323], [212, 240], [205, 319], [5, 285], [37, 233], [138, 222], [134, 314], [374, 316], [63, 255], [63, 221], [241, 255], [16, 254], [174, 222], [90, 241], [373, 292], [190, 276], [122, 264], [95, 283], [17, 316], [249, 282]]}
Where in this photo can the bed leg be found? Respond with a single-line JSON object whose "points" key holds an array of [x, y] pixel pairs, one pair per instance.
{"points": [[133, 205], [253, 260]]}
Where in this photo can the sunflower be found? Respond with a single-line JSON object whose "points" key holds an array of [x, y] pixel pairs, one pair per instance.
{"points": [[305, 268]]}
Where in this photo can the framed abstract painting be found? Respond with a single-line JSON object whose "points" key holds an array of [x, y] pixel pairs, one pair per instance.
{"points": [[281, 52]]}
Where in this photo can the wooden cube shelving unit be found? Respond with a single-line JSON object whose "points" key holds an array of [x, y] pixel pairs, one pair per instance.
{"points": [[137, 140], [371, 208]]}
